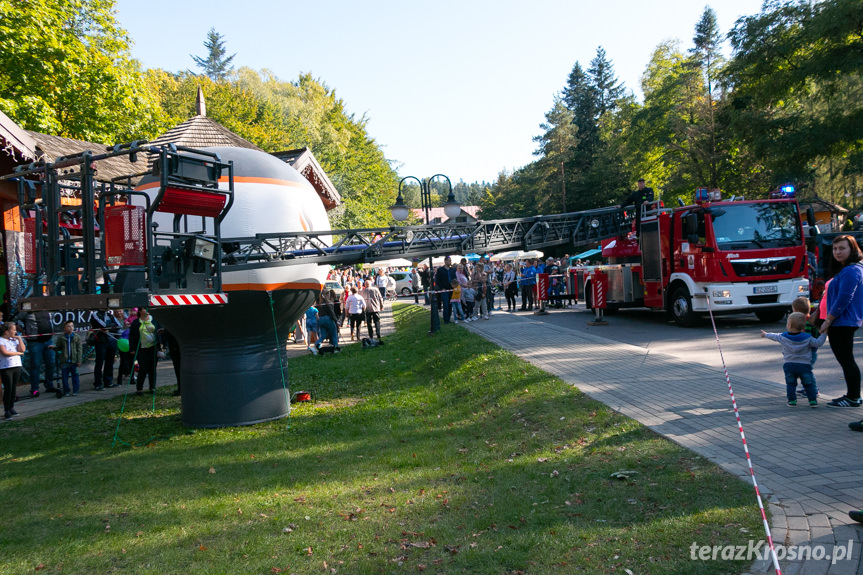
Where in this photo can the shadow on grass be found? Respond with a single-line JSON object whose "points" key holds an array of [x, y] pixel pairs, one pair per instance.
{"points": [[428, 451]]}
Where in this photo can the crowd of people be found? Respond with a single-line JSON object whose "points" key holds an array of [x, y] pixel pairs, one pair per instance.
{"points": [[467, 291], [53, 358]]}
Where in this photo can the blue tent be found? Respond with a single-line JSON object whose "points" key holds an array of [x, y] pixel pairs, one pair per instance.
{"points": [[586, 254], [472, 257]]}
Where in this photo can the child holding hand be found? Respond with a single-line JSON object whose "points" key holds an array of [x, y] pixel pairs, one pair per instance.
{"points": [[797, 346]]}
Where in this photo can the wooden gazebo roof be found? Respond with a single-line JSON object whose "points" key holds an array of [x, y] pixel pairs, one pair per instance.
{"points": [[202, 132]]}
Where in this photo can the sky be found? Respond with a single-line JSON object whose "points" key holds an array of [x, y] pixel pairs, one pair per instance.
{"points": [[452, 87]]}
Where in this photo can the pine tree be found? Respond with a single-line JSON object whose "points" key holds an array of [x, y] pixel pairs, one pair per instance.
{"points": [[215, 66], [608, 90]]}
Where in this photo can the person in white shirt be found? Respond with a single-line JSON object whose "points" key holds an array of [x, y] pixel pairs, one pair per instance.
{"points": [[381, 282], [12, 347], [356, 307]]}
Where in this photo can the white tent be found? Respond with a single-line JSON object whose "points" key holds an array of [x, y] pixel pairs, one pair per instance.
{"points": [[506, 256], [516, 255], [393, 263]]}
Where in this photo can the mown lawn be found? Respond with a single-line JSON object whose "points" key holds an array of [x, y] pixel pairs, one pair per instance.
{"points": [[435, 455]]}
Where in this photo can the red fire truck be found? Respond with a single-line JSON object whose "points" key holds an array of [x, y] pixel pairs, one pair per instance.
{"points": [[744, 256]]}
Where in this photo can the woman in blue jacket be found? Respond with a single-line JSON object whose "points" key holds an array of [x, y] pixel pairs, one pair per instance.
{"points": [[845, 315]]}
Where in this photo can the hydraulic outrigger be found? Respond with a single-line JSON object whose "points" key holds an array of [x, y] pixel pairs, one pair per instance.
{"points": [[121, 259]]}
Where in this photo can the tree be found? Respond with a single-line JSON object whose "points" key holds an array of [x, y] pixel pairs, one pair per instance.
{"points": [[604, 83], [215, 65], [706, 59], [277, 115], [65, 69], [797, 76], [557, 142]]}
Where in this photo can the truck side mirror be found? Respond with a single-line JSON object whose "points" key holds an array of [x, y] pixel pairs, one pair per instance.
{"points": [[810, 220]]}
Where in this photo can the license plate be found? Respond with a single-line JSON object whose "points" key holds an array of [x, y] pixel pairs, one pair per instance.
{"points": [[766, 289]]}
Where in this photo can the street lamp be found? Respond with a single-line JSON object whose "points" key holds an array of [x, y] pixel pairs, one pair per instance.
{"points": [[401, 211], [451, 208]]}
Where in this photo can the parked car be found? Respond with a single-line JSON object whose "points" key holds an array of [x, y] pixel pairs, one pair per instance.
{"points": [[403, 282], [336, 287]]}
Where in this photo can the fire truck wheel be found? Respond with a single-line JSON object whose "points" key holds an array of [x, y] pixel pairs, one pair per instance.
{"points": [[681, 308], [770, 315]]}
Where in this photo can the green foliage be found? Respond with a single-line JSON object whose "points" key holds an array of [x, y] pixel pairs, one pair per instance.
{"points": [[276, 115], [798, 92], [788, 106], [216, 65], [65, 69]]}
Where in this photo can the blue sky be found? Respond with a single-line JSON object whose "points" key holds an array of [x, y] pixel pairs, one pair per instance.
{"points": [[453, 87]]}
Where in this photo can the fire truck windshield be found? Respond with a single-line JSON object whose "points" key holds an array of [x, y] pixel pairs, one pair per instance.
{"points": [[756, 226]]}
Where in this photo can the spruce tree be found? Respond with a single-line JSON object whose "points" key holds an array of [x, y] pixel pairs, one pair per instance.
{"points": [[215, 65]]}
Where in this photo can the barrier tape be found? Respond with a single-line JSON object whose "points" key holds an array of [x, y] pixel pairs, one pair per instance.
{"points": [[78, 331], [745, 446]]}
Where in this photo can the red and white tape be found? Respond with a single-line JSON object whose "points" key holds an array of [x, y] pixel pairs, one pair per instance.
{"points": [[745, 446], [188, 299]]}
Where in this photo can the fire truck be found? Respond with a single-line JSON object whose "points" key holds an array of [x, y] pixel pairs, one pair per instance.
{"points": [[735, 256]]}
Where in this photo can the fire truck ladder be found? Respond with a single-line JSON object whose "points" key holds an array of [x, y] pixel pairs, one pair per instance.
{"points": [[345, 247]]}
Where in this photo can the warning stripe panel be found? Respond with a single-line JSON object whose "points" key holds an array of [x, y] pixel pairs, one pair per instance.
{"points": [[188, 299]]}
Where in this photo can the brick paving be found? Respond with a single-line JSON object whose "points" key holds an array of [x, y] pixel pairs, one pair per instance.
{"points": [[807, 462]]}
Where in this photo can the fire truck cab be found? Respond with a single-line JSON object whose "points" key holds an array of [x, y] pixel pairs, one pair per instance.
{"points": [[733, 256]]}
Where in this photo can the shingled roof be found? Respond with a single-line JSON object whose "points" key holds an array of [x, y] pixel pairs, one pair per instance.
{"points": [[202, 132], [54, 147]]}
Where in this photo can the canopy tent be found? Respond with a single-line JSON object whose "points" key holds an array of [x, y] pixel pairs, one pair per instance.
{"points": [[393, 263], [437, 261], [505, 256], [516, 255], [586, 254]]}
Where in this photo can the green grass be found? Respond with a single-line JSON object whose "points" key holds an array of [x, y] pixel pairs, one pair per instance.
{"points": [[442, 455]]}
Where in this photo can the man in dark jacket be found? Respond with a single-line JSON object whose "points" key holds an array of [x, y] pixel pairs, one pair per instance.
{"points": [[425, 279], [38, 331], [442, 283], [642, 196], [106, 329]]}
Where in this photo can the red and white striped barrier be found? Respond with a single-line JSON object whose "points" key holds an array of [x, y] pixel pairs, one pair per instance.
{"points": [[188, 299]]}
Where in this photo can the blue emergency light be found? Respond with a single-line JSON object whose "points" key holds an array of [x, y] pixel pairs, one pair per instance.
{"points": [[787, 190]]}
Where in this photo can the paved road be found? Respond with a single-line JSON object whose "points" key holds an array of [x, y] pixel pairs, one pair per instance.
{"points": [[746, 352], [807, 462]]}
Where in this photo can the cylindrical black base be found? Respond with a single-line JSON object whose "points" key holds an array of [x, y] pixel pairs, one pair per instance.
{"points": [[231, 372]]}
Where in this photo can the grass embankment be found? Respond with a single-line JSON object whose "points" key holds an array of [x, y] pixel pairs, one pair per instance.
{"points": [[443, 455]]}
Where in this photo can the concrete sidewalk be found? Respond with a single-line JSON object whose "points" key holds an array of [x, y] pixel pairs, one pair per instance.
{"points": [[807, 462]]}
